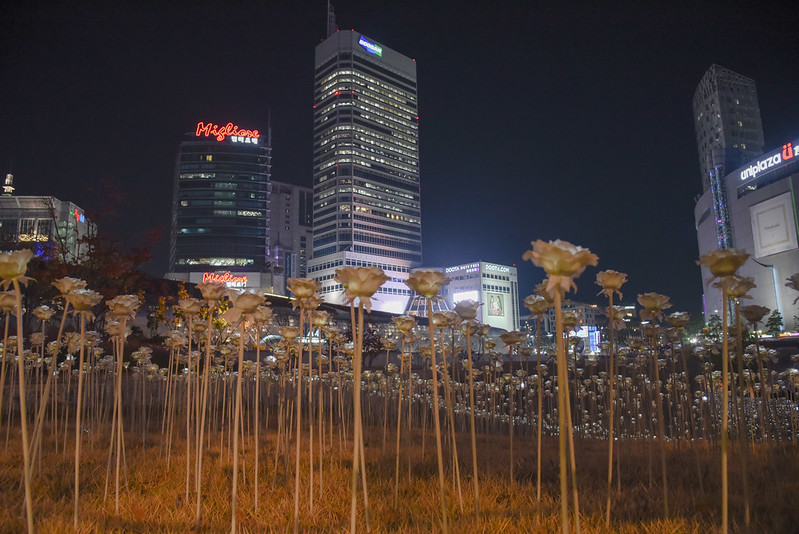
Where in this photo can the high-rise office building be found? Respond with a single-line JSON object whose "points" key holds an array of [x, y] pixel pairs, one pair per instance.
{"points": [[366, 165], [290, 232], [728, 133], [727, 120], [220, 210]]}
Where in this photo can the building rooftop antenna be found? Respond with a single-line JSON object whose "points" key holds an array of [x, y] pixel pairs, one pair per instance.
{"points": [[332, 27], [8, 185]]}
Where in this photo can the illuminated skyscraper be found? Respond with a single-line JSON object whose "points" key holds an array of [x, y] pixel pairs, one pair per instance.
{"points": [[728, 133], [220, 214], [366, 165], [727, 121]]}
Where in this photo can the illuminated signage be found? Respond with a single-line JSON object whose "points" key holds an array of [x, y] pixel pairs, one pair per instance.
{"points": [[229, 130], [498, 268], [371, 47], [230, 280], [469, 268], [789, 151], [79, 216]]}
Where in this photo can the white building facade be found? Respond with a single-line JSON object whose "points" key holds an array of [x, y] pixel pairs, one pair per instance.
{"points": [[763, 221], [494, 286]]}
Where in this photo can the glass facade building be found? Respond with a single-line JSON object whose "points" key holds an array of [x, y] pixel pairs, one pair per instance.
{"points": [[366, 208], [220, 214]]}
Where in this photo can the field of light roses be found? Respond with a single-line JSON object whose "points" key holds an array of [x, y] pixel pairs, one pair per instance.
{"points": [[259, 417]]}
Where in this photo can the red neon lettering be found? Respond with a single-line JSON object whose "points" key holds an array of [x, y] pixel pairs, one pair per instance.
{"points": [[223, 278], [213, 130], [787, 151]]}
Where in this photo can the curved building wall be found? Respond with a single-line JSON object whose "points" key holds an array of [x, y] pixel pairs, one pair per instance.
{"points": [[761, 203]]}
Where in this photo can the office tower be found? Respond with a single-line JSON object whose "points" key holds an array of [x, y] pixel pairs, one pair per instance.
{"points": [[220, 210], [727, 121], [728, 133], [290, 231], [366, 165]]}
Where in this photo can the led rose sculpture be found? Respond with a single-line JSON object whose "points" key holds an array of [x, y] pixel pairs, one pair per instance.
{"points": [[610, 281], [245, 302], [678, 319], [654, 304], [404, 323], [124, 306], [467, 309], [427, 282], [361, 283], [66, 285], [83, 300], [562, 261], [189, 306], [723, 262], [305, 290], [13, 266], [211, 291], [754, 313]]}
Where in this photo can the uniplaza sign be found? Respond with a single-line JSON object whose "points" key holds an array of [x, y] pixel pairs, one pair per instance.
{"points": [[771, 161]]}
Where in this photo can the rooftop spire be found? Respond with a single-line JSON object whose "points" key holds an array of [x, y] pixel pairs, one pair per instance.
{"points": [[332, 27]]}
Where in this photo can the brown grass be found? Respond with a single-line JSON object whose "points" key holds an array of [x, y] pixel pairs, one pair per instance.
{"points": [[154, 500]]}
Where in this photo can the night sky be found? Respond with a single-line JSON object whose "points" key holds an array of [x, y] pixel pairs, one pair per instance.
{"points": [[537, 119]]}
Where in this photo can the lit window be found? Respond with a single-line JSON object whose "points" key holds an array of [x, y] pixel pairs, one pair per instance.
{"points": [[209, 157]]}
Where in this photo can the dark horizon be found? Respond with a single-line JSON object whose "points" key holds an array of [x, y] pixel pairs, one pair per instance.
{"points": [[536, 122]]}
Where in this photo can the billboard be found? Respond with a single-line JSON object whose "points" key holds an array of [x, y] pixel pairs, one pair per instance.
{"points": [[495, 304], [773, 225]]}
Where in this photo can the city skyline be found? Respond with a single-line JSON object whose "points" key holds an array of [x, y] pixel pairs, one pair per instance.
{"points": [[537, 122]]}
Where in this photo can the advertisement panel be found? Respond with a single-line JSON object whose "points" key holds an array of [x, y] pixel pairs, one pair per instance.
{"points": [[495, 304], [773, 225]]}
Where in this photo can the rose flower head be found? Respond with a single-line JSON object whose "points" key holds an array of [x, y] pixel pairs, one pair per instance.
{"points": [[262, 314], [610, 281], [562, 261], [754, 313], [738, 286], [654, 304], [289, 332], [244, 302], [8, 300], [361, 282], [513, 337], [83, 300], [723, 262], [467, 309], [124, 306], [404, 323], [678, 319], [427, 282], [319, 318], [67, 284], [43, 313], [211, 291], [304, 290], [13, 266], [189, 306], [537, 304]]}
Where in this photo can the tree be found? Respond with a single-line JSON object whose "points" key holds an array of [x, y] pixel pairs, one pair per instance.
{"points": [[774, 323], [713, 329]]}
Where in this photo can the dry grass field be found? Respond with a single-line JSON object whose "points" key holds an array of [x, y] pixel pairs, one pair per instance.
{"points": [[153, 499]]}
